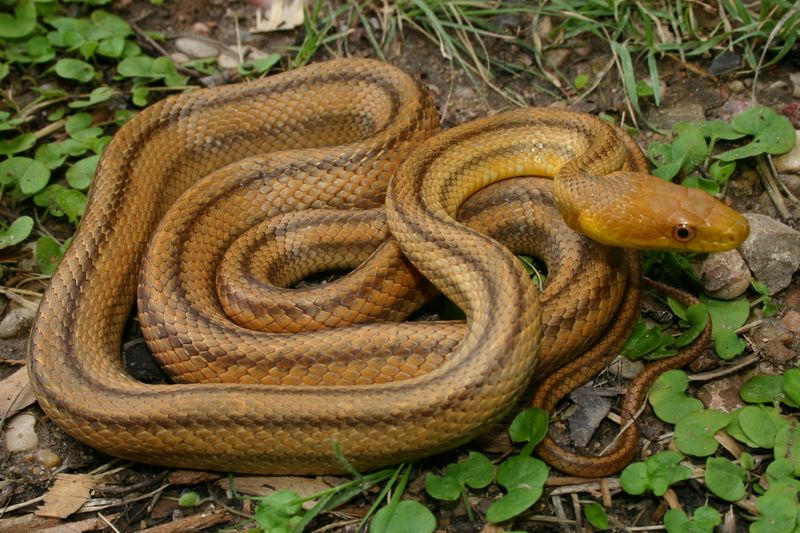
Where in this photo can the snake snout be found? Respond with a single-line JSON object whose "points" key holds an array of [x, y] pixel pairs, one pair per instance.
{"points": [[644, 212]]}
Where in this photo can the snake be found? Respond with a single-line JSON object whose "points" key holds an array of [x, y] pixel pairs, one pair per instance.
{"points": [[351, 135]]}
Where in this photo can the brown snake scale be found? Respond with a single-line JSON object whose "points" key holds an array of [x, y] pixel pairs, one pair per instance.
{"points": [[262, 178]]}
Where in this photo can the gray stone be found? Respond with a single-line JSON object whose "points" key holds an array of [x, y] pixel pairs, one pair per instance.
{"points": [[682, 112], [772, 251], [21, 434], [195, 47], [16, 321], [725, 275], [794, 77]]}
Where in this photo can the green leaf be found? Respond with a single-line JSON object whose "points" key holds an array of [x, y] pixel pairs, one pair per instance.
{"points": [[762, 388], [657, 473], [74, 148], [48, 254], [735, 430], [523, 477], [75, 69], [717, 129], [263, 64], [475, 471], [47, 198], [694, 433], [20, 143], [668, 399], [685, 153], [30, 175], [279, 511], [728, 345], [73, 203], [761, 424], [726, 317], [80, 174], [40, 49], [188, 499], [787, 447], [522, 472], [643, 89], [136, 67], [408, 516], [747, 461], [140, 95], [16, 232], [112, 47], [725, 479], [34, 177], [529, 425], [704, 520], [516, 501], [100, 94], [779, 509], [779, 470], [628, 76], [78, 122], [581, 81], [697, 317], [445, 488], [164, 67], [791, 385], [50, 155], [697, 182], [721, 172], [643, 340], [114, 25], [772, 133], [21, 23], [596, 515], [3, 71], [634, 479]]}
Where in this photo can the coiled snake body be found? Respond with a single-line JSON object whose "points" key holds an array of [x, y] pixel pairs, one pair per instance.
{"points": [[330, 136]]}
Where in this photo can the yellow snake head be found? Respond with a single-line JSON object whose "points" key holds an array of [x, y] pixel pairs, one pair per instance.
{"points": [[637, 210]]}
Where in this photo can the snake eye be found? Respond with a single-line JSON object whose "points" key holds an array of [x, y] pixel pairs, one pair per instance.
{"points": [[683, 232]]}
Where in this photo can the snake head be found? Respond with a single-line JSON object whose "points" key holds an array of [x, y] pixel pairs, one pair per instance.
{"points": [[636, 210]]}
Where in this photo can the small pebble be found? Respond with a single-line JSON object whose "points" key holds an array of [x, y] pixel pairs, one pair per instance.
{"points": [[17, 320], [202, 28], [722, 394], [179, 58], [777, 85], [725, 275], [736, 86], [790, 161], [46, 457], [557, 57], [794, 78], [791, 320], [226, 61], [195, 47], [627, 368]]}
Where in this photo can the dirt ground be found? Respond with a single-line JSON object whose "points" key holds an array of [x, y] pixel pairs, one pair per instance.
{"points": [[136, 497]]}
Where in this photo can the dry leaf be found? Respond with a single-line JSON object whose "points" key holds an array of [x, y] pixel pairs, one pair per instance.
{"points": [[28, 522], [15, 393], [191, 477], [265, 485], [278, 14], [67, 495], [90, 524]]}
